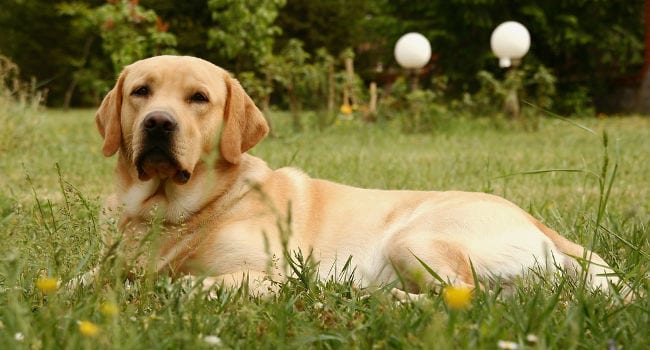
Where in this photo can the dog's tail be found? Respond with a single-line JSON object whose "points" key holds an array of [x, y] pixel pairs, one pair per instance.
{"points": [[582, 262]]}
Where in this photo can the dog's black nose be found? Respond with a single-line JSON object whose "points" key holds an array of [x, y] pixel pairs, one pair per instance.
{"points": [[156, 122]]}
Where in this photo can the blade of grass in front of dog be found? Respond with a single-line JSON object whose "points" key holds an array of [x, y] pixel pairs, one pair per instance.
{"points": [[622, 239], [430, 270], [545, 171], [557, 116], [66, 200], [38, 203], [400, 276], [606, 180]]}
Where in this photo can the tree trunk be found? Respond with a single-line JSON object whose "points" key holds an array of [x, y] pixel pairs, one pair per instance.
{"points": [[69, 92], [331, 89], [372, 107], [349, 68]]}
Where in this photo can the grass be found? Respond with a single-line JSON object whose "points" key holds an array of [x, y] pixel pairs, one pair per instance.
{"points": [[54, 178]]}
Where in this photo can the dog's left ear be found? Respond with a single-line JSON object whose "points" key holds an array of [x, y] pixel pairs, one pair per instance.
{"points": [[108, 118], [243, 123]]}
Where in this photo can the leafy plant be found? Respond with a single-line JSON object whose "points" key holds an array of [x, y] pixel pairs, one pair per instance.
{"points": [[292, 71], [536, 86], [128, 32], [417, 111], [244, 29]]}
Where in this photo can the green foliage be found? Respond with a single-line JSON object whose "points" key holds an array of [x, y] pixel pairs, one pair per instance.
{"points": [[542, 84], [41, 43], [128, 31], [590, 47], [325, 66], [586, 45], [423, 111], [244, 29], [291, 70], [534, 85], [334, 24], [254, 86], [417, 111], [578, 100]]}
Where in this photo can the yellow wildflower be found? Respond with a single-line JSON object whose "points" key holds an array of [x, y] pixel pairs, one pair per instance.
{"points": [[88, 328], [47, 284], [457, 297], [346, 109], [109, 309]]}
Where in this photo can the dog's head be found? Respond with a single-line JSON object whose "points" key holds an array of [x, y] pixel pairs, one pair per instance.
{"points": [[165, 112]]}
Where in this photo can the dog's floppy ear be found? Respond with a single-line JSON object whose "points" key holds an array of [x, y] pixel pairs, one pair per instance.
{"points": [[243, 123], [108, 118]]}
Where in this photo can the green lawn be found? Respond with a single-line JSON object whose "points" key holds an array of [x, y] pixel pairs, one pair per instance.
{"points": [[53, 179]]}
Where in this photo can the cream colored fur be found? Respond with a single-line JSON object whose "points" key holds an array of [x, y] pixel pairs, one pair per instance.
{"points": [[224, 222]]}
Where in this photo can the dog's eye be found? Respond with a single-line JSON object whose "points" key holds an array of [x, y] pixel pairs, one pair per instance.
{"points": [[142, 91], [199, 97]]}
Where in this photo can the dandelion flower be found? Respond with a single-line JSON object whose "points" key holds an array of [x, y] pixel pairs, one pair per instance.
{"points": [[47, 284], [457, 297], [109, 309], [88, 328]]}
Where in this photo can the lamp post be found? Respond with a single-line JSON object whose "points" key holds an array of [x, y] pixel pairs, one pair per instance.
{"points": [[510, 42], [413, 51]]}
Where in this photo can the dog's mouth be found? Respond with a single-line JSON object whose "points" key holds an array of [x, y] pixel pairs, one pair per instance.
{"points": [[156, 162]]}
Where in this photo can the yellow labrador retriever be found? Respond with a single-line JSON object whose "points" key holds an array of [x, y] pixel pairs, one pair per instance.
{"points": [[181, 127]]}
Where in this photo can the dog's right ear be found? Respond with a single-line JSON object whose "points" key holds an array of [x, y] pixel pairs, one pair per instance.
{"points": [[108, 118]]}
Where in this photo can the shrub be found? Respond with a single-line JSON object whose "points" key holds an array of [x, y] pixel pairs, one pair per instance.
{"points": [[17, 98], [417, 111]]}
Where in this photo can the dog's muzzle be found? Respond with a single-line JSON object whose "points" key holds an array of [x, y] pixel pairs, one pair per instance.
{"points": [[156, 157]]}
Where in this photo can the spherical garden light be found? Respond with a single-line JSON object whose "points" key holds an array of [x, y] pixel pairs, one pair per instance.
{"points": [[510, 41], [412, 51]]}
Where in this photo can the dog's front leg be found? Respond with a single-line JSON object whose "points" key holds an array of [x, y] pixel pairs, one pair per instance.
{"points": [[254, 283]]}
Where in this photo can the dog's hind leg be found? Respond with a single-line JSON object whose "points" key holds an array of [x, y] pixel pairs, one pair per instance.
{"points": [[429, 265], [578, 258]]}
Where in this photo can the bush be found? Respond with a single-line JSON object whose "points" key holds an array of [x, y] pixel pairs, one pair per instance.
{"points": [[417, 111], [524, 93]]}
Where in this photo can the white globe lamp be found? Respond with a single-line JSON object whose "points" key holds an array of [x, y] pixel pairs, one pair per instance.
{"points": [[412, 51], [510, 41]]}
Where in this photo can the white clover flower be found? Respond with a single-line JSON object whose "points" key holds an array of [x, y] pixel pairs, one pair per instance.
{"points": [[532, 338], [212, 340], [507, 345]]}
